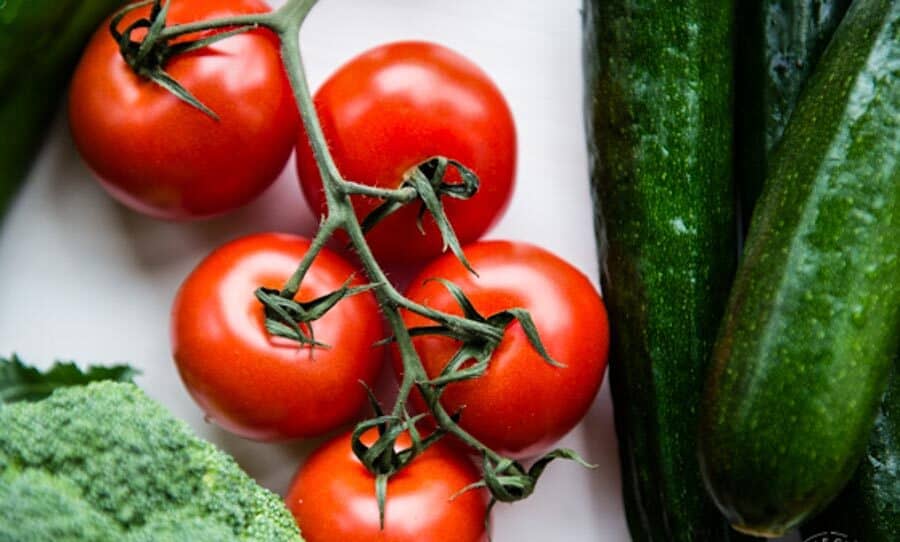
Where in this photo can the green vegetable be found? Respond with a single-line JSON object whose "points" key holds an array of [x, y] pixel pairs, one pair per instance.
{"points": [[807, 344], [868, 509], [104, 462], [658, 86], [40, 41], [778, 44], [19, 382]]}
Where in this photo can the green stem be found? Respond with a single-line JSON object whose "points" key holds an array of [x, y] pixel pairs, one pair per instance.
{"points": [[326, 230], [403, 195], [340, 209], [443, 419], [290, 17], [251, 19], [412, 365], [293, 64], [459, 326]]}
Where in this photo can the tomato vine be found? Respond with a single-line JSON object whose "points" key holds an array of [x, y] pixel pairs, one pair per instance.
{"points": [[506, 479]]}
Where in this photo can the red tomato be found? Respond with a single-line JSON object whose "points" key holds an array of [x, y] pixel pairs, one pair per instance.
{"points": [[522, 405], [333, 497], [262, 387], [398, 105], [161, 156]]}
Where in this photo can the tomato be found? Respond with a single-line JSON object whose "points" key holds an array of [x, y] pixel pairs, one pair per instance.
{"points": [[161, 156], [522, 404], [264, 387], [398, 105], [333, 497]]}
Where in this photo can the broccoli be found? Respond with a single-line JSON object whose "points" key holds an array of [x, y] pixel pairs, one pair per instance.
{"points": [[104, 462]]}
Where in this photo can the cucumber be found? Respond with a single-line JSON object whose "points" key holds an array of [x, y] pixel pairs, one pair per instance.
{"points": [[868, 510], [40, 42], [658, 90], [778, 44], [806, 346]]}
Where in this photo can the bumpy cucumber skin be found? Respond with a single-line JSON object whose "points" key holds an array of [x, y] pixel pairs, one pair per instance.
{"points": [[868, 510], [778, 43], [806, 347], [658, 86]]}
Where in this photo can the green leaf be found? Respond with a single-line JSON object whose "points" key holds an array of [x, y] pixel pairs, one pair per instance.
{"points": [[20, 382], [163, 79], [504, 318], [380, 213], [454, 371], [158, 16], [507, 480], [469, 310], [124, 38], [464, 190], [432, 201], [188, 46], [560, 453], [381, 482]]}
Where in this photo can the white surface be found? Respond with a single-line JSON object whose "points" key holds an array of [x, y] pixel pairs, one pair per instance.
{"points": [[86, 279]]}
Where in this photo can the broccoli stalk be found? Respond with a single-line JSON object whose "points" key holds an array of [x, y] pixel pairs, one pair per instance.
{"points": [[104, 462]]}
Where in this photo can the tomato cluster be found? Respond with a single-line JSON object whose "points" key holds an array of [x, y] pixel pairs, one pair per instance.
{"points": [[384, 113]]}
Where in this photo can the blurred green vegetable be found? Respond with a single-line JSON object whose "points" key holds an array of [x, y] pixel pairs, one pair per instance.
{"points": [[40, 42]]}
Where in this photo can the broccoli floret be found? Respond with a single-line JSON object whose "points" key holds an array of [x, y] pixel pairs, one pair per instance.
{"points": [[35, 505], [104, 462]]}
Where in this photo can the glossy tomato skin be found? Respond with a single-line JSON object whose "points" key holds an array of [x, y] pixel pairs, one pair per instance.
{"points": [[397, 105], [522, 405], [164, 158], [332, 497], [268, 388]]}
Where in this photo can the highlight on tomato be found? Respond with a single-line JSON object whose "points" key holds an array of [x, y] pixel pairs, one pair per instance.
{"points": [[400, 105], [333, 498], [267, 387], [524, 402], [166, 158]]}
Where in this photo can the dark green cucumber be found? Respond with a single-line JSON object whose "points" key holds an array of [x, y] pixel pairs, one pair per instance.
{"points": [[40, 42], [868, 510], [806, 346], [778, 42], [658, 90]]}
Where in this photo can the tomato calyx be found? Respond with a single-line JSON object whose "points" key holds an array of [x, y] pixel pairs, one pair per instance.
{"points": [[509, 481], [382, 458], [479, 348], [292, 319], [426, 183], [147, 57]]}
